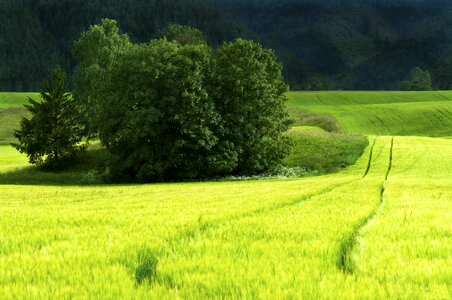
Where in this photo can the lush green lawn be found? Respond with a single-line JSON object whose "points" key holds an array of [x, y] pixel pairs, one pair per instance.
{"points": [[381, 113], [380, 229]]}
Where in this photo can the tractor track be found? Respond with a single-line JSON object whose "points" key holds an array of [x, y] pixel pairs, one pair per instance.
{"points": [[194, 230], [369, 162], [348, 245]]}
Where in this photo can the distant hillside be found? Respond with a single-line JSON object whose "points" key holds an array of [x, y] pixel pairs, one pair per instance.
{"points": [[329, 44]]}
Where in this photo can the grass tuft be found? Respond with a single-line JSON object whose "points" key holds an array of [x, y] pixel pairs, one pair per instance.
{"points": [[147, 266]]}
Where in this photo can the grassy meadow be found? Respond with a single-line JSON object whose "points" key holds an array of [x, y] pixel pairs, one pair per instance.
{"points": [[11, 110], [380, 113], [378, 228]]}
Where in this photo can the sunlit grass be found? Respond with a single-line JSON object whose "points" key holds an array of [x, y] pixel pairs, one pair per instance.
{"points": [[263, 239], [381, 113], [266, 239], [13, 99]]}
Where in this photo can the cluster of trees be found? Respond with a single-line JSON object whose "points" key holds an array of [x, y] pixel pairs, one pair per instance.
{"points": [[168, 109], [419, 80], [323, 44]]}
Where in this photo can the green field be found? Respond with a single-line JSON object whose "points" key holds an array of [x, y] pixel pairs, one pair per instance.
{"points": [[379, 229], [381, 113], [11, 110]]}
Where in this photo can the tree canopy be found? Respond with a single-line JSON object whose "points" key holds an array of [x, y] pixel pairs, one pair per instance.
{"points": [[419, 80], [174, 109], [250, 96]]}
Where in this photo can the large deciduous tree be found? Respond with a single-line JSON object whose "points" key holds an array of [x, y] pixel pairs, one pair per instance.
{"points": [[95, 52], [249, 94], [53, 132], [157, 116]]}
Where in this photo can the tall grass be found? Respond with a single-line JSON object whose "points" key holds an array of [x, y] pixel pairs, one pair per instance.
{"points": [[266, 239]]}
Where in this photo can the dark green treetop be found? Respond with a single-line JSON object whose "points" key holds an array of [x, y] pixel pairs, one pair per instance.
{"points": [[95, 52], [157, 117], [184, 35], [419, 80], [172, 109], [249, 93]]}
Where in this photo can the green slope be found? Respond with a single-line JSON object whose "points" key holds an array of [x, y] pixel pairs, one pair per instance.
{"points": [[11, 110], [380, 113]]}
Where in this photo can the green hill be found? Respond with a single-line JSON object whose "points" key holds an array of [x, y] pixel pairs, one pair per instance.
{"points": [[379, 113], [11, 110]]}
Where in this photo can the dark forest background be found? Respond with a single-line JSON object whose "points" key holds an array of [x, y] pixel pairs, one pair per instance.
{"points": [[323, 44]]}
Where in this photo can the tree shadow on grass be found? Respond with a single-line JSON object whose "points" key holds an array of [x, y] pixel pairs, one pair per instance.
{"points": [[82, 169]]}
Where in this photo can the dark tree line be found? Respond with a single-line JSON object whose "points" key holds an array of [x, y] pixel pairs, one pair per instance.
{"points": [[323, 44], [37, 35]]}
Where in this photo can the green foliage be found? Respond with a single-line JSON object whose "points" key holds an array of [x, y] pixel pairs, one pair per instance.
{"points": [[53, 132], [170, 110], [249, 94], [443, 75], [419, 81], [184, 35], [95, 52], [331, 44], [157, 117]]}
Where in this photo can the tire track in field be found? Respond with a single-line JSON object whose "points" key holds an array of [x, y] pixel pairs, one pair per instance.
{"points": [[369, 162], [443, 111], [193, 230], [348, 245], [320, 100]]}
